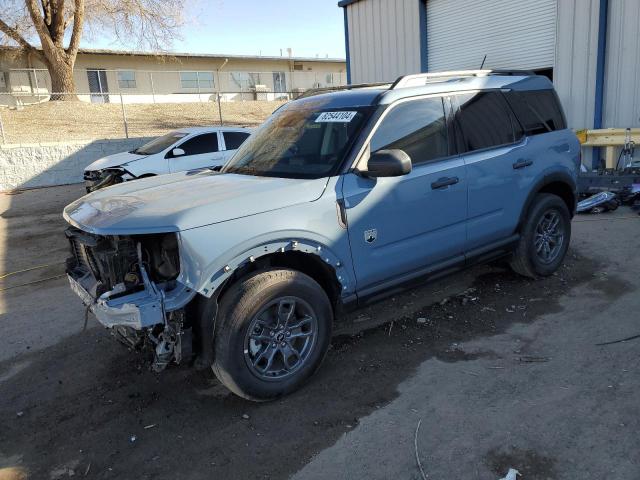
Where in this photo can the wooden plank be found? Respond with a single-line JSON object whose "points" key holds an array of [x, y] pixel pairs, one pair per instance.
{"points": [[607, 137], [610, 157]]}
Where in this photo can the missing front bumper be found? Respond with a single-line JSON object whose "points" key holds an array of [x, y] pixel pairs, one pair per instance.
{"points": [[138, 310]]}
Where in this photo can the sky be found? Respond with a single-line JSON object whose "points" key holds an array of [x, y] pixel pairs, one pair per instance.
{"points": [[257, 27]]}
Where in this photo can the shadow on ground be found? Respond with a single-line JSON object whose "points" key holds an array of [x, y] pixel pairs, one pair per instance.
{"points": [[89, 405]]}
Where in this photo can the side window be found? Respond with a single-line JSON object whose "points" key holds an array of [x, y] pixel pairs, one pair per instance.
{"points": [[232, 140], [485, 119], [205, 143], [537, 110], [418, 127]]}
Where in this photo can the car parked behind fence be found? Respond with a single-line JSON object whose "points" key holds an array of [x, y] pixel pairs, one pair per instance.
{"points": [[177, 151]]}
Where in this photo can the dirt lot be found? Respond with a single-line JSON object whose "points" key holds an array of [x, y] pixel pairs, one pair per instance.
{"points": [[501, 371], [51, 122]]}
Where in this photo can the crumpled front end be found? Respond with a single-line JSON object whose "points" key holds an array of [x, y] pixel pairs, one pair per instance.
{"points": [[130, 283], [97, 179]]}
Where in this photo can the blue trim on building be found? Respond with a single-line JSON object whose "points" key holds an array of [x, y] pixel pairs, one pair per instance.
{"points": [[424, 51], [600, 71], [346, 45], [344, 3]]}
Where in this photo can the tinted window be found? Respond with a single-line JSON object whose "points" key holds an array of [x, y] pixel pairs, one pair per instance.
{"points": [[537, 110], [233, 140], [418, 127], [485, 120], [205, 143]]}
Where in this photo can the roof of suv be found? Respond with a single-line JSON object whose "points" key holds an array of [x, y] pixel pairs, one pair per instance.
{"points": [[430, 83]]}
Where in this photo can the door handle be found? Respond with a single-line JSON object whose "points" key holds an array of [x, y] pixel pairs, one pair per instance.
{"points": [[522, 163], [444, 182]]}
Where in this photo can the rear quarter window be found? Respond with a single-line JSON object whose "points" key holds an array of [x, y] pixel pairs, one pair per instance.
{"points": [[232, 140], [485, 120], [538, 111]]}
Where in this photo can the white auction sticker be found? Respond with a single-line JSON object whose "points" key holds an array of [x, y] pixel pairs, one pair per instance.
{"points": [[341, 117]]}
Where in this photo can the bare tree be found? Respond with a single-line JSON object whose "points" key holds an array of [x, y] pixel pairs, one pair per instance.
{"points": [[43, 27]]}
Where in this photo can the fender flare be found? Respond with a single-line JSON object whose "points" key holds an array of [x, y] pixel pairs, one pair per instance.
{"points": [[547, 179], [223, 272]]}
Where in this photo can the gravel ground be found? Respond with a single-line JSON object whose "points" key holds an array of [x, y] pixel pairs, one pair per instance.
{"points": [[502, 371]]}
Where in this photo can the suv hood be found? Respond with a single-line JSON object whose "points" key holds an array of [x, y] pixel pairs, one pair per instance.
{"points": [[180, 201], [114, 160]]}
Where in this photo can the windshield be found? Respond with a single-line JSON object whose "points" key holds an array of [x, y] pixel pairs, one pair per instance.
{"points": [[159, 144], [300, 141]]}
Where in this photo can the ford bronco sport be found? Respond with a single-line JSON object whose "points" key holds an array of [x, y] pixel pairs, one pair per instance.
{"points": [[337, 198]]}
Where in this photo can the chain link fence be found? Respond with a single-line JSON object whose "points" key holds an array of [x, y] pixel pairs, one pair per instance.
{"points": [[136, 103]]}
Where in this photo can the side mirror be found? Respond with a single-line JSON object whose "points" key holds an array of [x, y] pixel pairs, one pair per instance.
{"points": [[388, 163], [177, 152]]}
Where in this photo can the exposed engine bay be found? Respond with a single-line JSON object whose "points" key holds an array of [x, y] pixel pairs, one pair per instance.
{"points": [[129, 283], [97, 179]]}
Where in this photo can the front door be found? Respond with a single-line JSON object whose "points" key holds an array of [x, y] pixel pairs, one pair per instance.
{"points": [[98, 85], [199, 151], [401, 226]]}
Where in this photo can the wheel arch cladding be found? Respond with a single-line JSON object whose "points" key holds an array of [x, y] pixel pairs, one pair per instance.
{"points": [[311, 258], [557, 184]]}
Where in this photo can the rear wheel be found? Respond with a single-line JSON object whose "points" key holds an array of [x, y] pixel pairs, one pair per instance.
{"points": [[544, 237], [273, 331]]}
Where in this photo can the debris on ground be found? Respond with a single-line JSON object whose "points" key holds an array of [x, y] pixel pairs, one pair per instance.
{"points": [[511, 474], [532, 359], [415, 446], [421, 320], [20, 414], [598, 203], [132, 438], [245, 416]]}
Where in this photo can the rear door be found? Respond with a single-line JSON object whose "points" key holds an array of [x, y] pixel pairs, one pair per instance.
{"points": [[498, 166], [231, 141], [400, 226], [200, 151]]}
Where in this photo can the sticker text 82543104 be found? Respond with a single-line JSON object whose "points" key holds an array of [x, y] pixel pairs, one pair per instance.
{"points": [[341, 117]]}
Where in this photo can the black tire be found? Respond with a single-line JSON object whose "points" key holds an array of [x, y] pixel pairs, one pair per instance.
{"points": [[526, 259], [247, 302]]}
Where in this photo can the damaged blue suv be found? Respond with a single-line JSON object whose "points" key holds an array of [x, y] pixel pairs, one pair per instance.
{"points": [[339, 198]]}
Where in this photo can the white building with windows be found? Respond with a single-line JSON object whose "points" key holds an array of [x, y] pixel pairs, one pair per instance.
{"points": [[589, 48], [142, 77]]}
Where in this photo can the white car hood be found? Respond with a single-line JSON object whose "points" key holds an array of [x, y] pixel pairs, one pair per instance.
{"points": [[114, 160], [181, 201]]}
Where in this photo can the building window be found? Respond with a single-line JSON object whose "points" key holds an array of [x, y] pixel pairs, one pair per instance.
{"points": [[196, 80], [127, 79]]}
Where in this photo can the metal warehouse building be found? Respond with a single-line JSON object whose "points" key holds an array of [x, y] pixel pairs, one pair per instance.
{"points": [[589, 48]]}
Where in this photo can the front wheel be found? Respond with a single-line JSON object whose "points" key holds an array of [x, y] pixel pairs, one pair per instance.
{"points": [[273, 331], [544, 237]]}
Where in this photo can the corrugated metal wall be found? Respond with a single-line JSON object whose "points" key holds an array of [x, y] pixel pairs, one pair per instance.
{"points": [[514, 34], [383, 39], [574, 73], [622, 67]]}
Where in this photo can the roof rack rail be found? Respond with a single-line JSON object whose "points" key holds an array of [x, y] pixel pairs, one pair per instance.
{"points": [[418, 79], [318, 91]]}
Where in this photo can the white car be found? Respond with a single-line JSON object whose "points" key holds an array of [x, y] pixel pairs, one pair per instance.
{"points": [[180, 150]]}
